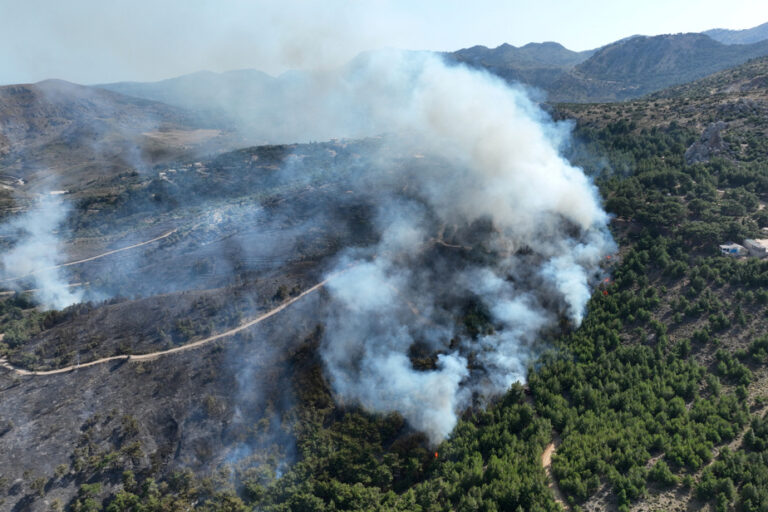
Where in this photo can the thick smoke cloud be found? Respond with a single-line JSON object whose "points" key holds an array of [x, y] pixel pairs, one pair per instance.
{"points": [[480, 255], [486, 240], [37, 252]]}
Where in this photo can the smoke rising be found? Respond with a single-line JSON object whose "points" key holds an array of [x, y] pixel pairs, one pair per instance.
{"points": [[480, 238], [483, 248], [37, 252]]}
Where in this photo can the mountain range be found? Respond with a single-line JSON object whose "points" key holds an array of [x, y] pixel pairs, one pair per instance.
{"points": [[627, 69]]}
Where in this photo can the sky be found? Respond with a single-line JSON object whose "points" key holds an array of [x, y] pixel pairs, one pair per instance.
{"points": [[99, 41]]}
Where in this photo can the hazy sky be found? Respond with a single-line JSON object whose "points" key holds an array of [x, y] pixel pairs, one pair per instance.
{"points": [[91, 41]]}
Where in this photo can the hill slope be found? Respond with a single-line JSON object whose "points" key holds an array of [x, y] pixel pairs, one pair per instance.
{"points": [[748, 77], [747, 36], [641, 65], [79, 132]]}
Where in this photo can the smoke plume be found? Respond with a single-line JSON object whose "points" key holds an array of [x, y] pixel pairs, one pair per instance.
{"points": [[473, 238], [488, 239], [37, 252]]}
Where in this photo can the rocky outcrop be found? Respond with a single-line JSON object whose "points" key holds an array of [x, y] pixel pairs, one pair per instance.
{"points": [[709, 145]]}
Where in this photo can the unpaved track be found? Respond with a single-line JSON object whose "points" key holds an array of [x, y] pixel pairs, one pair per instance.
{"points": [[546, 462], [20, 371], [546, 457], [154, 355], [235, 330], [108, 253]]}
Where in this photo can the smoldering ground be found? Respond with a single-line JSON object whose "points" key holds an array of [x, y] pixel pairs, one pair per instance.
{"points": [[462, 238], [36, 252]]}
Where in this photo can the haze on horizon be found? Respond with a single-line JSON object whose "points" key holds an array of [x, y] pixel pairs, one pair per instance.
{"points": [[90, 41]]}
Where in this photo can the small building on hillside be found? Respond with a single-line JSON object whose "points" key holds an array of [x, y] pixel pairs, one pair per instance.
{"points": [[757, 248], [733, 250]]}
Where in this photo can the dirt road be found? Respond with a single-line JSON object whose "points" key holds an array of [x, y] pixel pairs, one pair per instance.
{"points": [[84, 260], [546, 457], [154, 355], [546, 462]]}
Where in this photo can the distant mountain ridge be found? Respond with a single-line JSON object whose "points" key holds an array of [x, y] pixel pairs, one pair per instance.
{"points": [[625, 69], [628, 68], [196, 89], [747, 36], [532, 55]]}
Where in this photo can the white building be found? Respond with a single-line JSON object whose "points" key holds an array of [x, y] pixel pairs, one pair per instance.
{"points": [[757, 248], [733, 250]]}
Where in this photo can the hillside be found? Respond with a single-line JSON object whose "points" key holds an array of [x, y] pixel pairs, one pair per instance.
{"points": [[201, 382], [293, 107], [640, 65], [672, 211], [81, 133], [745, 79], [170, 413], [654, 62]]}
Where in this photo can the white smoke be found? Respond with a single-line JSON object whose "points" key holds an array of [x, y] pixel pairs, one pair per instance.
{"points": [[504, 222], [37, 252]]}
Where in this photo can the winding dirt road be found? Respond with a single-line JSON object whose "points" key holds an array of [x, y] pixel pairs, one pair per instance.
{"points": [[154, 355], [84, 260]]}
